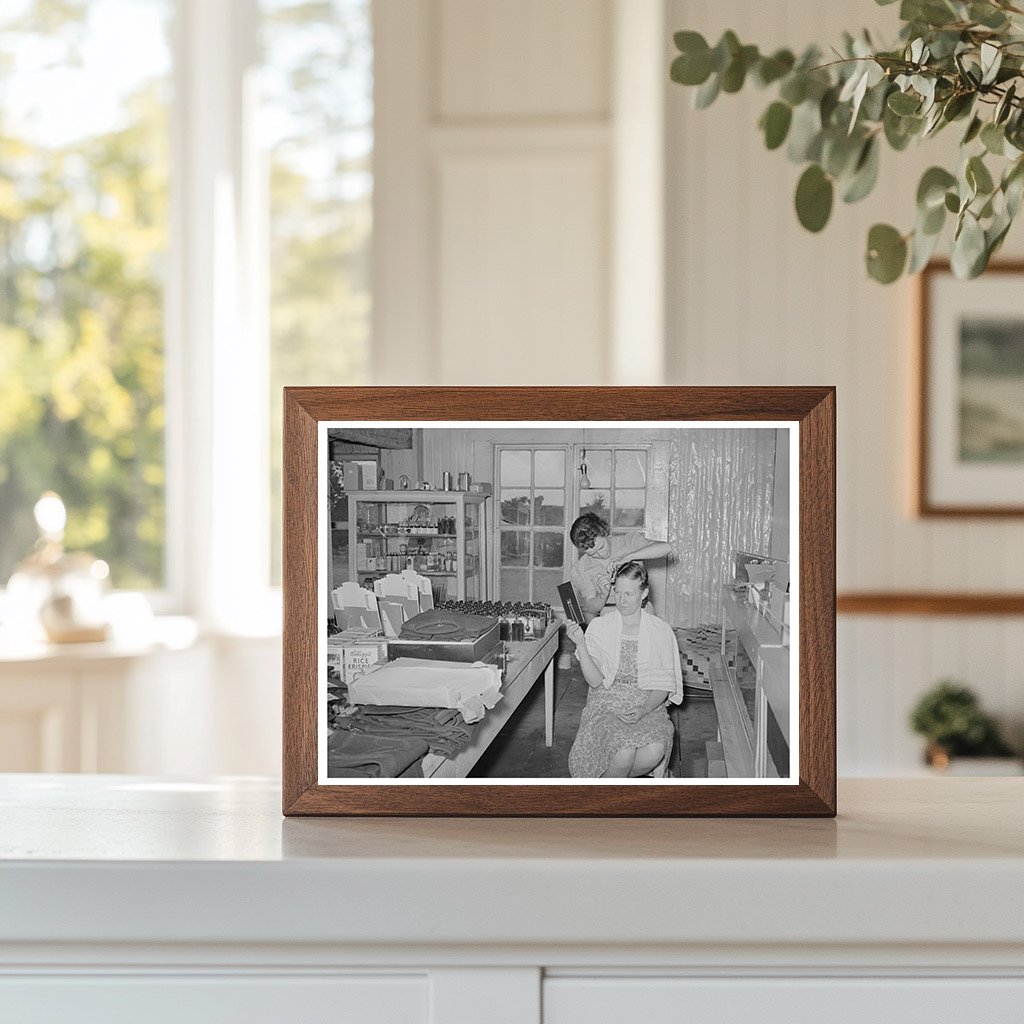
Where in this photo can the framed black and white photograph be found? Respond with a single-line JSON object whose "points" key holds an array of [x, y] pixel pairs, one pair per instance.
{"points": [[971, 393], [559, 601]]}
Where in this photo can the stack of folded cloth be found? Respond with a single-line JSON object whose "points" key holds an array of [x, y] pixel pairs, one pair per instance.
{"points": [[441, 730], [355, 755]]}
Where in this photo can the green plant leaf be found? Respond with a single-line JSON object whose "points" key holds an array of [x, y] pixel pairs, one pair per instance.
{"points": [[814, 194], [771, 69], [987, 15], [958, 106], [931, 222], [952, 202], [725, 49], [922, 247], [887, 253], [978, 176], [968, 248], [775, 124], [805, 133], [865, 173], [707, 93], [1005, 105], [735, 74], [693, 65], [839, 151], [900, 130], [794, 88], [973, 129], [991, 60], [904, 103], [931, 191], [993, 138]]}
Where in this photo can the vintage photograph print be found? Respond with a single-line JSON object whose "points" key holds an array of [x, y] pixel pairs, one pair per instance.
{"points": [[623, 607]]}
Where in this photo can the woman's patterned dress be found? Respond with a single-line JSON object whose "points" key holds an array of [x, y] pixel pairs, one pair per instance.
{"points": [[601, 733]]}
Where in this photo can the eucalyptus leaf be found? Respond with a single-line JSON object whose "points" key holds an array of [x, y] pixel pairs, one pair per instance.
{"points": [[903, 103], [775, 124], [932, 221], [805, 133], [794, 88], [814, 195], [993, 138], [958, 105], [873, 106], [931, 190], [991, 60], [922, 248], [1005, 105], [724, 51], [973, 129], [865, 174], [886, 253], [952, 202], [840, 152], [978, 176], [987, 15], [707, 93], [771, 69], [735, 74], [968, 247]]}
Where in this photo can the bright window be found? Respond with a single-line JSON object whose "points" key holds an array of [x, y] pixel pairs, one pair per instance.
{"points": [[317, 126], [83, 239]]}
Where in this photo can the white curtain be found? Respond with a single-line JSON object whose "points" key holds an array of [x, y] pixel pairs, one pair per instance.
{"points": [[720, 500]]}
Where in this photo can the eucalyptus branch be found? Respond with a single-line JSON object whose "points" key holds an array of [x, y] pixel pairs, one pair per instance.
{"points": [[833, 117]]}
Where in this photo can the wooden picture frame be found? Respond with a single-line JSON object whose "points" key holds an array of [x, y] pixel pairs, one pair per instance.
{"points": [[808, 413], [970, 445]]}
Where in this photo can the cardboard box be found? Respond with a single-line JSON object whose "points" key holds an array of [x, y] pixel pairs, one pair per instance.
{"points": [[352, 476], [361, 656]]}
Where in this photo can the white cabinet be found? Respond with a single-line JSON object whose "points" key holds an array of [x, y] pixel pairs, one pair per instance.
{"points": [[824, 1000], [217, 999], [127, 898]]}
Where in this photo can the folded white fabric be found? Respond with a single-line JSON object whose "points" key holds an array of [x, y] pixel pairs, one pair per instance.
{"points": [[422, 683]]}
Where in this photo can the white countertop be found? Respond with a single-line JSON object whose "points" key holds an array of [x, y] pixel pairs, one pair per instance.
{"points": [[123, 859]]}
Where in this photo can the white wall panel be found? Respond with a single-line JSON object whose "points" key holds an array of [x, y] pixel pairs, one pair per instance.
{"points": [[531, 58], [522, 257], [754, 299]]}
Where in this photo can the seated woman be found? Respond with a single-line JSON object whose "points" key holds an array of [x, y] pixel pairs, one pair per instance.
{"points": [[630, 659], [601, 552]]}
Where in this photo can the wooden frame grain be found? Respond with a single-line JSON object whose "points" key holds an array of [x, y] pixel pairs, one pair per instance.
{"points": [[924, 506], [813, 408]]}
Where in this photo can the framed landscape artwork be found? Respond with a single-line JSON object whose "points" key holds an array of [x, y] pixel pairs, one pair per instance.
{"points": [[970, 451], [559, 601]]}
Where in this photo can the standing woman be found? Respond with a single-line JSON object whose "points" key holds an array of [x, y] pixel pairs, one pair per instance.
{"points": [[600, 556], [630, 659]]}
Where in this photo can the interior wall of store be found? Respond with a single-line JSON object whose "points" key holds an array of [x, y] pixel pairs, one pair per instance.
{"points": [[529, 129]]}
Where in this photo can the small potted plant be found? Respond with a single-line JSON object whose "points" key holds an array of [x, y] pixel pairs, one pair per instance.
{"points": [[950, 717]]}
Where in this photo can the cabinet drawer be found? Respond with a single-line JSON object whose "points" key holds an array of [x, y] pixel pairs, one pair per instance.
{"points": [[569, 1000], [224, 999]]}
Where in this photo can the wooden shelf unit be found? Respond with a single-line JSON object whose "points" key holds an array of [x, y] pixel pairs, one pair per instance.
{"points": [[468, 540]]}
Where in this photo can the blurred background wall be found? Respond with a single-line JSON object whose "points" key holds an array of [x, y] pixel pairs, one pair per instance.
{"points": [[423, 191]]}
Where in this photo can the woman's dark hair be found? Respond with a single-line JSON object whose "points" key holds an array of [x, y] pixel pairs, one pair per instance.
{"points": [[587, 528], [634, 571]]}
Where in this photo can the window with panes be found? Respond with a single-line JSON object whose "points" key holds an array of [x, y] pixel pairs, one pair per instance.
{"points": [[532, 502]]}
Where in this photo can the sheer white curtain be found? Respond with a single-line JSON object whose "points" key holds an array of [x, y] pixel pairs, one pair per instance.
{"points": [[720, 498]]}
